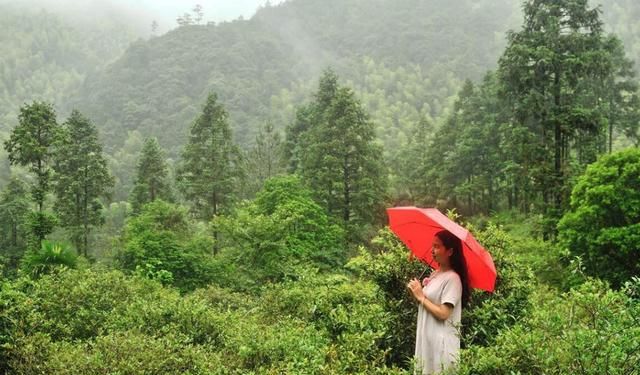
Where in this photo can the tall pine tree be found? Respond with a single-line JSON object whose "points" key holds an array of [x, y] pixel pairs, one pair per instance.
{"points": [[151, 176], [81, 179], [341, 161], [14, 207], [265, 159], [31, 145], [551, 72], [210, 169]]}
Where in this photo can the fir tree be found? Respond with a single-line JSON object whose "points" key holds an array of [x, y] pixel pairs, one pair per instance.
{"points": [[82, 178], [151, 176], [210, 173], [341, 162]]}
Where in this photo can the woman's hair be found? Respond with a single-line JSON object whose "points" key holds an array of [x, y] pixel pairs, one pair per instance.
{"points": [[457, 261]]}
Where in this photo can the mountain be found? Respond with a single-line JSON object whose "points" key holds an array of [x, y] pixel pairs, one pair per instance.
{"points": [[405, 58], [43, 56]]}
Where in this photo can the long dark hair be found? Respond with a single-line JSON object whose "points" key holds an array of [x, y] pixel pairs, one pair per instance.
{"points": [[457, 261]]}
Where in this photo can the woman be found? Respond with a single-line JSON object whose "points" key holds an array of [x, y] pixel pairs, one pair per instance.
{"points": [[441, 297]]}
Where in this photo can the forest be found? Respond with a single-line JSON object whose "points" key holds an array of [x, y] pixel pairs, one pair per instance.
{"points": [[212, 200]]}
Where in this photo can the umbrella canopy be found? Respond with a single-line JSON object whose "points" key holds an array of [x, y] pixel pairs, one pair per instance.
{"points": [[416, 228]]}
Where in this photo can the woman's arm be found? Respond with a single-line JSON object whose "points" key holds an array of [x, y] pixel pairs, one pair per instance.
{"points": [[441, 312]]}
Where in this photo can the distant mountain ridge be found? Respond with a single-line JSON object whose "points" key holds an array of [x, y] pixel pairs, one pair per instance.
{"points": [[405, 59], [159, 85]]}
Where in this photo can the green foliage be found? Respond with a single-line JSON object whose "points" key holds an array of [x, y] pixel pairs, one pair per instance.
{"points": [[338, 157], [121, 162], [265, 159], [350, 312], [490, 313], [389, 267], [39, 225], [161, 243], [14, 206], [257, 66], [30, 145], [556, 74], [97, 322], [81, 179], [465, 163], [602, 226], [50, 256], [589, 330], [411, 166], [282, 228], [210, 171], [151, 176], [47, 56]]}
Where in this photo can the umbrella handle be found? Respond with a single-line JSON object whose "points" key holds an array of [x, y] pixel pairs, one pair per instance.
{"points": [[422, 274]]}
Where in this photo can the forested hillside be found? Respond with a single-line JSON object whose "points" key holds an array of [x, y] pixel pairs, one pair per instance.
{"points": [[409, 56], [406, 59], [44, 57]]}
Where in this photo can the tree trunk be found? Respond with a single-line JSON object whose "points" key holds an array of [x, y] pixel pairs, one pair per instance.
{"points": [[214, 205], [346, 191]]}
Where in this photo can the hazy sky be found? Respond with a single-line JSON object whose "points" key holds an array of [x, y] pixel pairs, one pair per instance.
{"points": [[164, 12], [214, 10]]}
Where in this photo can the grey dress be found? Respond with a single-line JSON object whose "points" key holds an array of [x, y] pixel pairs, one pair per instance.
{"points": [[437, 341]]}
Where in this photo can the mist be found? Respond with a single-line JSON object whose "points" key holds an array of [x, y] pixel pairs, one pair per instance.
{"points": [[138, 15]]}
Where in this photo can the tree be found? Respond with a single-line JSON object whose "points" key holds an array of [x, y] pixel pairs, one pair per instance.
{"points": [[293, 141], [283, 228], [151, 176], [210, 172], [199, 14], [413, 163], [621, 90], [602, 226], [341, 162], [30, 145], [154, 27], [185, 20], [14, 206], [444, 173], [551, 73], [81, 179], [265, 159], [467, 152], [50, 256], [161, 243]]}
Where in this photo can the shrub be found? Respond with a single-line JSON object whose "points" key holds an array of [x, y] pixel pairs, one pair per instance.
{"points": [[603, 225], [90, 322], [49, 256], [349, 312], [589, 330], [161, 244], [389, 268], [116, 353], [489, 313], [283, 228]]}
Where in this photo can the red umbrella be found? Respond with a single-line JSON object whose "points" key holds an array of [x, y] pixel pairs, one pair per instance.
{"points": [[416, 227]]}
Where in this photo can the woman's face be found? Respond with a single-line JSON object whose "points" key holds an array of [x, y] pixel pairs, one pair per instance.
{"points": [[439, 252]]}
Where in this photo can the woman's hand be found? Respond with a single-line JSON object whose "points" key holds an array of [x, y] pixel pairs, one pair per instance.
{"points": [[416, 289], [441, 312]]}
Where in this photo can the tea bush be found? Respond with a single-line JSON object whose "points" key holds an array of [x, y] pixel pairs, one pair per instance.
{"points": [[589, 330]]}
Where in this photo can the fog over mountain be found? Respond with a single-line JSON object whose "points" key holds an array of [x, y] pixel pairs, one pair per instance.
{"points": [[140, 14]]}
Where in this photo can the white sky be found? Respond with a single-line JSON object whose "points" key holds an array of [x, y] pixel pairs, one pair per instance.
{"points": [[164, 12]]}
